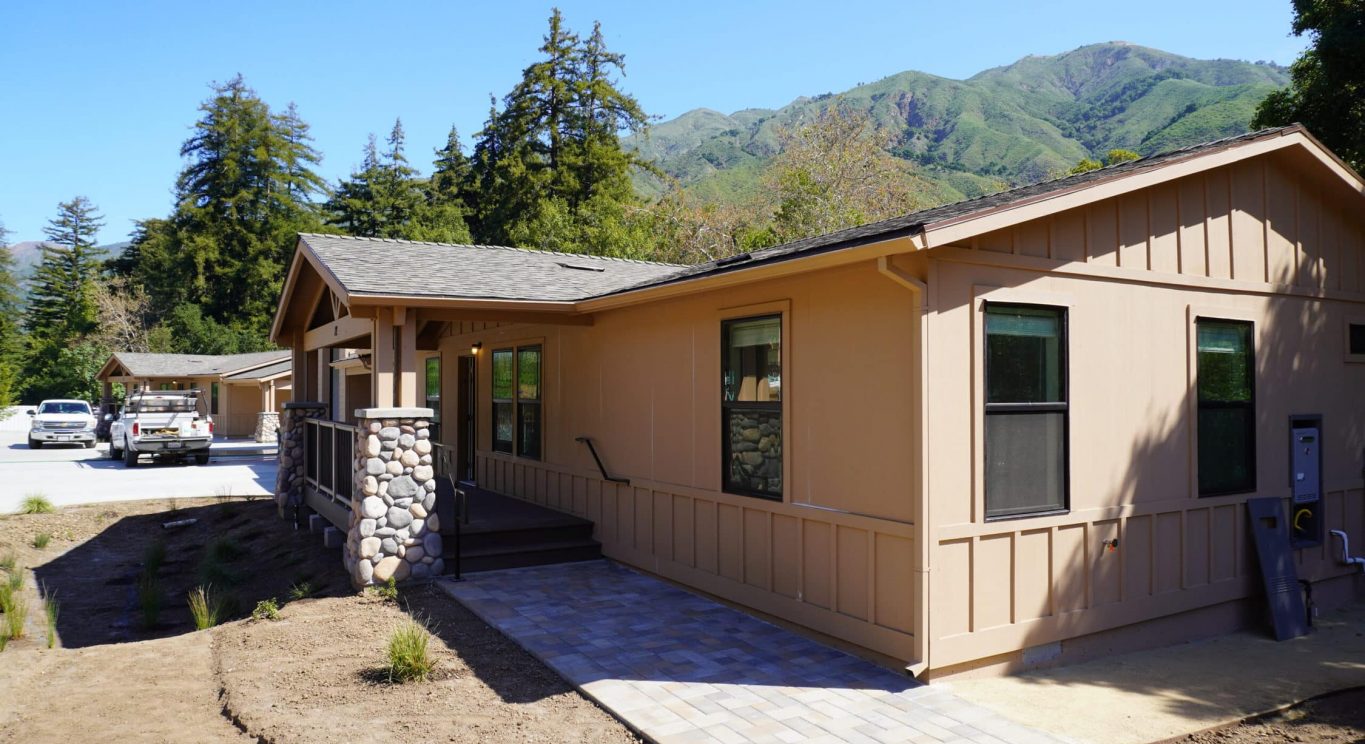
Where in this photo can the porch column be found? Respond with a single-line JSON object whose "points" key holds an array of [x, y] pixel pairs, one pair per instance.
{"points": [[394, 531], [381, 359], [405, 322], [267, 419], [293, 451]]}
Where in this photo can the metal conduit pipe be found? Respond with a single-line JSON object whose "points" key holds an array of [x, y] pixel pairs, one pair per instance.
{"points": [[1346, 556]]}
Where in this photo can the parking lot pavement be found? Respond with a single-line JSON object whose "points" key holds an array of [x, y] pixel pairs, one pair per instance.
{"points": [[75, 475]]}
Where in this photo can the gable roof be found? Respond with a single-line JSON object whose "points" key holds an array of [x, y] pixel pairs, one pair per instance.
{"points": [[282, 367], [386, 266], [188, 365]]}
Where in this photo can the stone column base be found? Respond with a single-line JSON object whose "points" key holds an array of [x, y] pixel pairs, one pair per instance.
{"points": [[267, 426], [289, 478], [394, 530]]}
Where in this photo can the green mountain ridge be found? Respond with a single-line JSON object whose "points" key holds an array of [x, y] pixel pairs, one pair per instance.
{"points": [[1005, 126]]}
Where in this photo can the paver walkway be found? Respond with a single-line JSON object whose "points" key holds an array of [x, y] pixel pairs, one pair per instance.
{"points": [[681, 668]]}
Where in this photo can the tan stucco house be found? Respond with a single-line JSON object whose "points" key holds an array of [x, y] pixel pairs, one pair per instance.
{"points": [[1017, 428], [245, 392]]}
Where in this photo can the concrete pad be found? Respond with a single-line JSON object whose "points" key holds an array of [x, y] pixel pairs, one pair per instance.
{"points": [[1151, 695]]}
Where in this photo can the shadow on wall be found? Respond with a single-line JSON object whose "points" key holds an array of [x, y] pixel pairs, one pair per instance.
{"points": [[1179, 551]]}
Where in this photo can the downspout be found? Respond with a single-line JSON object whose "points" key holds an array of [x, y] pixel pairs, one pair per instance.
{"points": [[920, 387]]}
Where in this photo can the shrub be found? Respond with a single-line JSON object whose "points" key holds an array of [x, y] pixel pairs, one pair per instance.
{"points": [[50, 610], [266, 609], [36, 503], [149, 599], [388, 591], [206, 608], [301, 590], [16, 612], [41, 540], [409, 660]]}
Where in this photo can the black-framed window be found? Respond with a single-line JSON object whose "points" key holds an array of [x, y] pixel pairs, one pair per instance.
{"points": [[1355, 339], [528, 402], [1225, 375], [504, 406], [213, 398], [517, 401], [751, 406], [1027, 410]]}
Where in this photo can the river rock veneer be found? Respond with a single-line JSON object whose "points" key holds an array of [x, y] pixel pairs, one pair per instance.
{"points": [[394, 531]]}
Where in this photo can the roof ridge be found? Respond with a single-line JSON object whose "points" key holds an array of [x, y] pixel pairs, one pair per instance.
{"points": [[482, 246]]}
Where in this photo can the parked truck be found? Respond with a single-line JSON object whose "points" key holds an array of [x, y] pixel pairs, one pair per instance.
{"points": [[165, 424]]}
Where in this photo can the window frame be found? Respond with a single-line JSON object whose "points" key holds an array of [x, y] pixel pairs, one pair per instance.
{"points": [[426, 391], [726, 486], [988, 408], [514, 447], [1249, 404], [1347, 324]]}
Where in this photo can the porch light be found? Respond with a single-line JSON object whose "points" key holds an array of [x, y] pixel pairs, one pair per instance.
{"points": [[474, 349]]}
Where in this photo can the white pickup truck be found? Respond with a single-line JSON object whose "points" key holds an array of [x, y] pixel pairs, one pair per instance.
{"points": [[166, 424], [61, 422]]}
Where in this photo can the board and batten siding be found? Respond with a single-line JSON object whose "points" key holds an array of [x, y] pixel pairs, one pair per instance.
{"points": [[1258, 241], [838, 553]]}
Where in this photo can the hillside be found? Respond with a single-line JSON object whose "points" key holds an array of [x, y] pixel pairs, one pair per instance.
{"points": [[29, 253], [1005, 126]]}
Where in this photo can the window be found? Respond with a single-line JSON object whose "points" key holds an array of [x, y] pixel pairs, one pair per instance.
{"points": [[1026, 408], [517, 401], [751, 406], [213, 399], [1225, 377], [433, 387], [503, 407], [1355, 341]]}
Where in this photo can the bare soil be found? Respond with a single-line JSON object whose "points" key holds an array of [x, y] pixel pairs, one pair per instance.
{"points": [[1337, 718], [312, 676]]}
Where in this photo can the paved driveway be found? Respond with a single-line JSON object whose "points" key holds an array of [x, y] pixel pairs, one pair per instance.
{"points": [[75, 475]]}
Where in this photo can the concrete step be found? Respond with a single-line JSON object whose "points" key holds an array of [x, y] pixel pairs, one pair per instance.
{"points": [[541, 554]]}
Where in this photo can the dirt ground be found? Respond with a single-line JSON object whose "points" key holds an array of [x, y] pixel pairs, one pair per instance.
{"points": [[311, 676], [1331, 719]]}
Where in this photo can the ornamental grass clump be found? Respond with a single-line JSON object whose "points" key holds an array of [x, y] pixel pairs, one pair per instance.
{"points": [[409, 660], [16, 611], [149, 597], [41, 540], [51, 608], [36, 503], [205, 607]]}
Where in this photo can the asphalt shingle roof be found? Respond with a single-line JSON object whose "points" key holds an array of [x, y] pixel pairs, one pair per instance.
{"points": [[410, 268], [187, 365], [260, 373]]}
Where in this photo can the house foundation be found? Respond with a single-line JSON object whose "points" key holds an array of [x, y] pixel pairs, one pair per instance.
{"points": [[394, 530], [289, 479]]}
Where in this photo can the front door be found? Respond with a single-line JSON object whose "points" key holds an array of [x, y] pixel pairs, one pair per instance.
{"points": [[466, 399]]}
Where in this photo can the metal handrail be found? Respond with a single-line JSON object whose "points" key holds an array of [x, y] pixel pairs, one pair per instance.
{"points": [[444, 469], [600, 467]]}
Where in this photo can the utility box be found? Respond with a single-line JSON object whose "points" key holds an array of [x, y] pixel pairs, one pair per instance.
{"points": [[1305, 480]]}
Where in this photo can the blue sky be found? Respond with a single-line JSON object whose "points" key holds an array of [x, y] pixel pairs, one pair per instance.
{"points": [[96, 97]]}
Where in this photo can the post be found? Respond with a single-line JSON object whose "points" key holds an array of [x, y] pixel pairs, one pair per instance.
{"points": [[394, 531], [405, 321], [289, 479], [381, 358]]}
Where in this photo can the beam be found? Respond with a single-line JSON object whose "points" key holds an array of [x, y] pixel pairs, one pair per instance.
{"points": [[337, 333], [299, 362], [502, 316]]}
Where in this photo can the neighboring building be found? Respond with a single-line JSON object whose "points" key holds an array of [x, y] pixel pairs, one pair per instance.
{"points": [[1015, 428], [245, 392]]}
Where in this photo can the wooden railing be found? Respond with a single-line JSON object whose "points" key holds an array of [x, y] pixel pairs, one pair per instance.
{"points": [[329, 449]]}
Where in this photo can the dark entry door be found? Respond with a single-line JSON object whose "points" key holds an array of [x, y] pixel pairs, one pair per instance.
{"points": [[464, 464]]}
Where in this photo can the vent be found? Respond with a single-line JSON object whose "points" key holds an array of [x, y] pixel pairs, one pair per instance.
{"points": [[579, 268], [740, 258]]}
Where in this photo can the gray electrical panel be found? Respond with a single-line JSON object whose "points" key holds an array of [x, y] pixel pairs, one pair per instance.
{"points": [[1305, 481]]}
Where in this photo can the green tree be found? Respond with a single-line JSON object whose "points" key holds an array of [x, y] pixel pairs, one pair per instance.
{"points": [[1326, 92], [240, 200], [833, 173], [1116, 156], [550, 166], [61, 301], [11, 333]]}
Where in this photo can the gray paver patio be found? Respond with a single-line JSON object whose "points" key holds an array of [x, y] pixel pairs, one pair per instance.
{"points": [[681, 668]]}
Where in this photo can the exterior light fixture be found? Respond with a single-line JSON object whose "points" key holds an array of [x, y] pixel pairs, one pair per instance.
{"points": [[474, 349]]}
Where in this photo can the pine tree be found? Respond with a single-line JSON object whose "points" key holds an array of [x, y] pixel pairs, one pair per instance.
{"points": [[550, 166], [241, 199], [61, 303], [11, 334]]}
